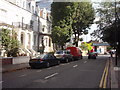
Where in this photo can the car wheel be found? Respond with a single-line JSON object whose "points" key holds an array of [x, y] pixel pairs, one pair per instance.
{"points": [[88, 57], [58, 62], [72, 59], [67, 60], [81, 57], [32, 67], [94, 57], [48, 65]]}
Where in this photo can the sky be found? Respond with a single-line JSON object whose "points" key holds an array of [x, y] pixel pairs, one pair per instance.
{"points": [[86, 38], [93, 27]]}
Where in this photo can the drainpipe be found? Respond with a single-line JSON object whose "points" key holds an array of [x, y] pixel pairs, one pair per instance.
{"points": [[38, 33]]}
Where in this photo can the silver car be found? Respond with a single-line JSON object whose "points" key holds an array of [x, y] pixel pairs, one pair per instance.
{"points": [[64, 55]]}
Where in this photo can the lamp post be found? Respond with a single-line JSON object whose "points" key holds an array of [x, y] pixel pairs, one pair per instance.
{"points": [[116, 43]]}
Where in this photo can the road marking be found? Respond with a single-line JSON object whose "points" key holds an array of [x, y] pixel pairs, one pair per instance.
{"points": [[85, 61], [39, 71], [1, 82], [51, 75], [75, 65], [103, 82], [106, 75], [22, 75]]}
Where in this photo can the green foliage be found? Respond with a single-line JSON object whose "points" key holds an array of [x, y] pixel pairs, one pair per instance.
{"points": [[83, 46], [111, 35], [10, 42], [86, 46], [109, 48], [61, 32], [59, 35], [70, 17], [106, 13], [83, 16], [108, 28]]}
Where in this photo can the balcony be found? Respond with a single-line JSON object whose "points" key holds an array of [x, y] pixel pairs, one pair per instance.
{"points": [[22, 25]]}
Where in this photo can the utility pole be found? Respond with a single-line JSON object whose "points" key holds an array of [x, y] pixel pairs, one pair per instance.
{"points": [[116, 35]]}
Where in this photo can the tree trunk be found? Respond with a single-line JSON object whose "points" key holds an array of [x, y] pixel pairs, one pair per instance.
{"points": [[76, 44], [62, 47]]}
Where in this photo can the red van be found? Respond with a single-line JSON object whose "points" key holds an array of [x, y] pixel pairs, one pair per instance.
{"points": [[76, 52]]}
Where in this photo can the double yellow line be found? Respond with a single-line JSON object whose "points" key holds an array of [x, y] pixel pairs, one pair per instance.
{"points": [[103, 82]]}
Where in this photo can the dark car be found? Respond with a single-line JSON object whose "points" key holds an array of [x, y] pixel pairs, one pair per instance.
{"points": [[64, 55], [43, 60], [92, 55]]}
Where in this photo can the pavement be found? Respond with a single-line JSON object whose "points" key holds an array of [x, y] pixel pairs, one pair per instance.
{"points": [[114, 71], [14, 67]]}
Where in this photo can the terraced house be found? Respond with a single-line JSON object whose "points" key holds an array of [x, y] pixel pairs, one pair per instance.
{"points": [[32, 24]]}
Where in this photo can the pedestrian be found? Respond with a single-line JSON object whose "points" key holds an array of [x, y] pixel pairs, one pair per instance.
{"points": [[111, 53]]}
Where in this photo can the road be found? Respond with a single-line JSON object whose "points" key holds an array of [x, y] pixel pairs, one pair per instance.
{"points": [[85, 73]]}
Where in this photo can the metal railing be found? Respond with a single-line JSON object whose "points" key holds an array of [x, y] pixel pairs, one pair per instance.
{"points": [[22, 25]]}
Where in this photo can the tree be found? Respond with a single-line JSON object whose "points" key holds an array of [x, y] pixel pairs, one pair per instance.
{"points": [[108, 24], [111, 35], [83, 16], [10, 42], [61, 34], [106, 14], [61, 29], [71, 17]]}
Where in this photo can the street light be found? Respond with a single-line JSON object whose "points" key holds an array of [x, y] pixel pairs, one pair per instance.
{"points": [[116, 43]]}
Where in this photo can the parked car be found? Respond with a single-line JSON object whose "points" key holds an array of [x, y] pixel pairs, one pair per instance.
{"points": [[96, 53], [76, 52], [43, 60], [92, 55], [64, 55]]}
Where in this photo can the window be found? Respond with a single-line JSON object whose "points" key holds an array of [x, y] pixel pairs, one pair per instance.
{"points": [[29, 5], [49, 42], [42, 41], [31, 23], [23, 4], [28, 39], [22, 39], [32, 9], [43, 28], [34, 39], [46, 41]]}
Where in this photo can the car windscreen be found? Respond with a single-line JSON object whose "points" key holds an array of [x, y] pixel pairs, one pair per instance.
{"points": [[59, 52], [41, 56]]}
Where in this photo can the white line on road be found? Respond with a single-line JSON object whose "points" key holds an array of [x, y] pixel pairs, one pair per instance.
{"points": [[51, 75], [39, 71], [23, 75], [85, 61], [1, 82], [75, 65]]}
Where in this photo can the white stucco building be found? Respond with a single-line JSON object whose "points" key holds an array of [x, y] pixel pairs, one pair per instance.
{"points": [[30, 22]]}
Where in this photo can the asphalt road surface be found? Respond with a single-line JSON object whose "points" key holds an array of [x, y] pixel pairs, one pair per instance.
{"points": [[85, 73]]}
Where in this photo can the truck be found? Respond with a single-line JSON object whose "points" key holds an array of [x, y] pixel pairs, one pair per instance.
{"points": [[76, 52]]}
